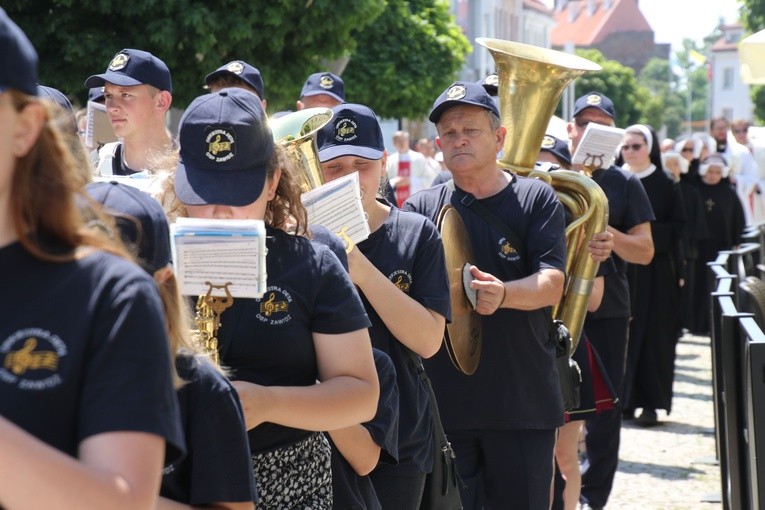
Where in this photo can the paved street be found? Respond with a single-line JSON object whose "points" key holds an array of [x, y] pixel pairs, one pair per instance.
{"points": [[671, 466]]}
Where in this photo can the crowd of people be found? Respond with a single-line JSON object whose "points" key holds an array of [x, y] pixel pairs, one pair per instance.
{"points": [[317, 400]]}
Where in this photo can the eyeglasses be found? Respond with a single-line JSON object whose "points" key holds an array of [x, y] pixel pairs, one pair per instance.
{"points": [[634, 146], [740, 130], [686, 149]]}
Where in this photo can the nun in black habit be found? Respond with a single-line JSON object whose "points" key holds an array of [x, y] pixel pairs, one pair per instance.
{"points": [[725, 224], [655, 287]]}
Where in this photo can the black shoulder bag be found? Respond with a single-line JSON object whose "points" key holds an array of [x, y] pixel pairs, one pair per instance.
{"points": [[569, 374], [442, 485]]}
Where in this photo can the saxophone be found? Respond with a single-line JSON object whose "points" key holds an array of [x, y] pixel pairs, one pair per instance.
{"points": [[209, 308]]}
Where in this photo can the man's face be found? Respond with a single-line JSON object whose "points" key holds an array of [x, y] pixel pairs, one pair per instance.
{"points": [[576, 127], [467, 139], [130, 109], [317, 101], [720, 130]]}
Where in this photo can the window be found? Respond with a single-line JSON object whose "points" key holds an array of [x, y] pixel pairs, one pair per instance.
{"points": [[728, 77]]}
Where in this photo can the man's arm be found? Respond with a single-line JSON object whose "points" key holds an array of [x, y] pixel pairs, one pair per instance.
{"points": [[543, 288], [636, 245]]}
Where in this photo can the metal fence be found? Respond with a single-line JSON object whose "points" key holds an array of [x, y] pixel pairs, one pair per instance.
{"points": [[738, 370]]}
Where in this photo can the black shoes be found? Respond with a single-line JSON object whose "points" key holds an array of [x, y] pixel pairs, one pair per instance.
{"points": [[647, 418], [587, 506]]}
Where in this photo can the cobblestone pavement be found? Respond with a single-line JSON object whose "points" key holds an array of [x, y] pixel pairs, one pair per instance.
{"points": [[672, 466]]}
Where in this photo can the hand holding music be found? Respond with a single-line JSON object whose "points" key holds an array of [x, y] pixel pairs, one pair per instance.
{"points": [[490, 291], [601, 245]]}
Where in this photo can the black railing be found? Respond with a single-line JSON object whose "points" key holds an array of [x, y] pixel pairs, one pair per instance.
{"points": [[738, 371]]}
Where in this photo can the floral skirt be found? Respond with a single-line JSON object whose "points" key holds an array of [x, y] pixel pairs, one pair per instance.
{"points": [[296, 477]]}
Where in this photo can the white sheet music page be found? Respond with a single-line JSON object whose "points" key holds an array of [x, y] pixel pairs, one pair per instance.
{"points": [[597, 148], [336, 206], [218, 252]]}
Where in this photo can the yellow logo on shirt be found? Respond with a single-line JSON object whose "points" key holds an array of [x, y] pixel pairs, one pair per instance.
{"points": [[26, 358], [402, 280]]}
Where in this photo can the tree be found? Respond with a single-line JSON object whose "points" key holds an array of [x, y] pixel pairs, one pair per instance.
{"points": [[618, 83], [286, 40], [406, 58], [753, 14], [665, 105]]}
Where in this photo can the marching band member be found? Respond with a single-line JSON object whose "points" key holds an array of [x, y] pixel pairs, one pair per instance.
{"points": [[138, 93], [502, 420], [310, 326], [216, 471], [87, 408], [629, 217], [401, 273], [237, 73], [323, 89]]}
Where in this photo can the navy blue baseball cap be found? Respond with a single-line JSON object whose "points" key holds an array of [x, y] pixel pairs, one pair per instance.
{"points": [[225, 148], [19, 68], [96, 94], [324, 83], [491, 84], [55, 96], [557, 148], [58, 97], [353, 131], [595, 100], [140, 219], [462, 92], [132, 67], [242, 70]]}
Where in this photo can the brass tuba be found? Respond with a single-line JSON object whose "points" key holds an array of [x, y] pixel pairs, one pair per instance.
{"points": [[296, 131], [531, 81]]}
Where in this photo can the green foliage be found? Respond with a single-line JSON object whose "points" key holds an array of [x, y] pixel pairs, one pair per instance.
{"points": [[758, 98], [406, 58], [618, 83], [753, 14], [286, 39]]}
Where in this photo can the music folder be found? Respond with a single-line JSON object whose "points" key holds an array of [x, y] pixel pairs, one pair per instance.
{"points": [[597, 147], [337, 207], [98, 130], [219, 252]]}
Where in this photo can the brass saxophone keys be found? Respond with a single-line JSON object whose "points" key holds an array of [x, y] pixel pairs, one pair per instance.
{"points": [[207, 320]]}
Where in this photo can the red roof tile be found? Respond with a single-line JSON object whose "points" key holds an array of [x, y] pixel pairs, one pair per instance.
{"points": [[589, 29], [537, 5]]}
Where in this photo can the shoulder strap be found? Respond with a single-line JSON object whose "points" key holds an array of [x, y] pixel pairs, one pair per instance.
{"points": [[500, 225]]}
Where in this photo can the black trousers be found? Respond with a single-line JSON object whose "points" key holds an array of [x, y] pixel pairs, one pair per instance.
{"points": [[504, 469], [397, 490]]}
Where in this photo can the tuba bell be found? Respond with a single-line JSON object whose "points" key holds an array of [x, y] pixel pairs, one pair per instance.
{"points": [[531, 81], [296, 131]]}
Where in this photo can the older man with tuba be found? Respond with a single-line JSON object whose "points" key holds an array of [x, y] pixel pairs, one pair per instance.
{"points": [[502, 419]]}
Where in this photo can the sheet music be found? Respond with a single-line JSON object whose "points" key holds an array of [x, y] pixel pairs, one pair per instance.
{"points": [[98, 130], [220, 252], [598, 145], [336, 206]]}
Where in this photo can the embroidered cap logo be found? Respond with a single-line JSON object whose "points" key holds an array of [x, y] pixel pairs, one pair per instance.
{"points": [[221, 144], [119, 62]]}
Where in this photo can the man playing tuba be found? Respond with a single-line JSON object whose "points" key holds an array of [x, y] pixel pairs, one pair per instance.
{"points": [[502, 419]]}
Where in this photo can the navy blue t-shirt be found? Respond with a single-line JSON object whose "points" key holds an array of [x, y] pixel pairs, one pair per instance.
{"points": [[269, 341], [349, 490], [515, 385], [83, 350], [407, 249], [628, 206], [218, 465]]}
